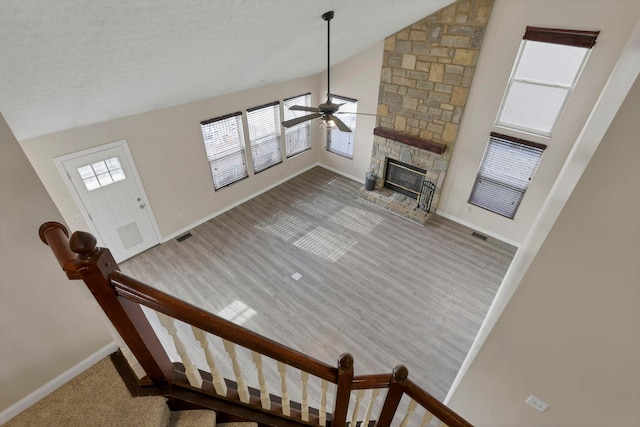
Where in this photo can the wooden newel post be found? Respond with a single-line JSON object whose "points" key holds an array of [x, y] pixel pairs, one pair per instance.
{"points": [[56, 236], [396, 390], [95, 266], [343, 391], [80, 258]]}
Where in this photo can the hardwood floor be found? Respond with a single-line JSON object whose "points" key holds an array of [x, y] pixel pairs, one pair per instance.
{"points": [[374, 284]]}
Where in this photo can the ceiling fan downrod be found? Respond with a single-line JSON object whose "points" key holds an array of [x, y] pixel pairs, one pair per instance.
{"points": [[328, 16]]}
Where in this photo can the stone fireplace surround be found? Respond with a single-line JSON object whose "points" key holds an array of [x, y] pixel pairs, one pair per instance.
{"points": [[427, 70], [430, 160]]}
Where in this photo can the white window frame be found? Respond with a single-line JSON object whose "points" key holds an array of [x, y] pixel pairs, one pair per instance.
{"points": [[220, 152], [335, 134], [265, 137], [498, 181], [297, 138], [547, 36]]}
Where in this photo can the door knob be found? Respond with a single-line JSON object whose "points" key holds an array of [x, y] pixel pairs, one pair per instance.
{"points": [[142, 205]]}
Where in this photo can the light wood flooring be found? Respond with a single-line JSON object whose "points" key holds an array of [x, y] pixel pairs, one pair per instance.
{"points": [[372, 283]]}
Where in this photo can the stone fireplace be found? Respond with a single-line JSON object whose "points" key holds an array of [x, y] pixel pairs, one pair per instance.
{"points": [[426, 74]]}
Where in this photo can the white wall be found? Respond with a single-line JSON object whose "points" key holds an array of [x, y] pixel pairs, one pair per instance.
{"points": [[358, 78], [570, 332], [615, 19], [169, 154], [47, 324]]}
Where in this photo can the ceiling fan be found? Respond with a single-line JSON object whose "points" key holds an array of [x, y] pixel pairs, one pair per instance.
{"points": [[325, 112]]}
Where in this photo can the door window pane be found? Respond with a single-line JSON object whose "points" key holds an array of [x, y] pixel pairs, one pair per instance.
{"points": [[102, 173]]}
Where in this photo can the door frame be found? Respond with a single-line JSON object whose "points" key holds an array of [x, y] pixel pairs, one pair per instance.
{"points": [[59, 162]]}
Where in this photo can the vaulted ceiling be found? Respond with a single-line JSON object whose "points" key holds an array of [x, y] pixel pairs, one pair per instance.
{"points": [[70, 63]]}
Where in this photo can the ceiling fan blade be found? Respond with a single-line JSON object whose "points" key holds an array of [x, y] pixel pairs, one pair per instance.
{"points": [[340, 124], [293, 122], [303, 108]]}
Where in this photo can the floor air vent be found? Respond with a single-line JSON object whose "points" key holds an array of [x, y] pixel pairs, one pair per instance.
{"points": [[479, 236], [184, 237]]}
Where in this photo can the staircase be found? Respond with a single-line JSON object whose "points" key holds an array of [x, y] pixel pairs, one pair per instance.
{"points": [[98, 397], [175, 354]]}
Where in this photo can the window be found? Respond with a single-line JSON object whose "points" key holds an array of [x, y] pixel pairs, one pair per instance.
{"points": [[342, 142], [297, 138], [507, 167], [224, 143], [546, 71], [264, 135], [102, 173]]}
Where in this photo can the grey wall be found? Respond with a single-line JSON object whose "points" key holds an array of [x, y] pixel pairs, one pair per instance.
{"points": [[570, 332], [47, 325]]}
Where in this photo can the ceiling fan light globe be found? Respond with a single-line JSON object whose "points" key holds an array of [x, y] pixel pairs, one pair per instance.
{"points": [[326, 123]]}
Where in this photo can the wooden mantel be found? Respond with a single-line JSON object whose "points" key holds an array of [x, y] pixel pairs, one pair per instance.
{"points": [[415, 141]]}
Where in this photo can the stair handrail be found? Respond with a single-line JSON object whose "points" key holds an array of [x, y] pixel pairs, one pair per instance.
{"points": [[136, 291], [121, 298]]}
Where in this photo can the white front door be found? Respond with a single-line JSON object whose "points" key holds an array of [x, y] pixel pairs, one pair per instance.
{"points": [[110, 195]]}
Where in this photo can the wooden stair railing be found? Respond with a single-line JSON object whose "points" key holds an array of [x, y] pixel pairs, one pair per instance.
{"points": [[138, 312]]}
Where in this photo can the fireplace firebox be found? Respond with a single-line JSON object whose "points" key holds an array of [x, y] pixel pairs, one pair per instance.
{"points": [[404, 178], [410, 181]]}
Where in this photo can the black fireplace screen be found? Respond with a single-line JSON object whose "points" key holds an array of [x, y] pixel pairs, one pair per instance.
{"points": [[410, 181], [404, 178]]}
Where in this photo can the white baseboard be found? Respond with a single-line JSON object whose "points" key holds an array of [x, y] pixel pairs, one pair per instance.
{"points": [[233, 205], [339, 172], [56, 383], [478, 229]]}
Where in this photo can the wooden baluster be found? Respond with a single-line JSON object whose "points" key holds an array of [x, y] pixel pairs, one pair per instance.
{"points": [[193, 375], [343, 391], [286, 408], [264, 393], [218, 382], [95, 266], [356, 407], [304, 377], [243, 391], [426, 419], [372, 400], [396, 390], [323, 403], [410, 409]]}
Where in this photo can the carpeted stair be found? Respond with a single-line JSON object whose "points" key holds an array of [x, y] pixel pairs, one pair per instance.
{"points": [[98, 397]]}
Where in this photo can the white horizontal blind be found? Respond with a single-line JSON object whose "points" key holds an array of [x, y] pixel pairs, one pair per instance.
{"points": [[224, 143], [264, 135], [297, 137], [506, 169], [342, 142]]}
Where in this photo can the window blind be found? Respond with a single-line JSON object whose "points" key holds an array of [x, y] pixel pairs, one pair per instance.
{"points": [[507, 166], [224, 144], [339, 142], [264, 135], [297, 138]]}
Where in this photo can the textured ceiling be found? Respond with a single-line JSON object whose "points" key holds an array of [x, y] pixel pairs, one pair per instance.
{"points": [[68, 63]]}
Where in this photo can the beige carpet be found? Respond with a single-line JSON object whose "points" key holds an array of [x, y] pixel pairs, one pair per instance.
{"points": [[98, 397]]}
